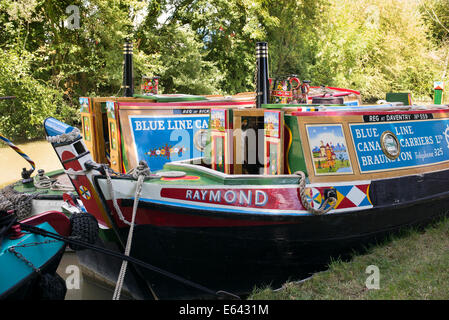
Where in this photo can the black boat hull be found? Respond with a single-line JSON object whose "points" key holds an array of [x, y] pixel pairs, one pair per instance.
{"points": [[237, 259]]}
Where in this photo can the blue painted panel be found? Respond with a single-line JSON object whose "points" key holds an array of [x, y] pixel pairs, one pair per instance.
{"points": [[55, 127], [421, 143], [160, 139], [351, 103]]}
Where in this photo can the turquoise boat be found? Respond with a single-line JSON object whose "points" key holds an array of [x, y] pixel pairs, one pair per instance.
{"points": [[29, 261]]}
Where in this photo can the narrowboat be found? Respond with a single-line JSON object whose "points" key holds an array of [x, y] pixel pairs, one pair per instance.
{"points": [[272, 192], [101, 126]]}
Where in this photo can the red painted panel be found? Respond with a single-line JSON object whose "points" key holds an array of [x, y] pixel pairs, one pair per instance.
{"points": [[270, 198], [56, 219], [360, 113]]}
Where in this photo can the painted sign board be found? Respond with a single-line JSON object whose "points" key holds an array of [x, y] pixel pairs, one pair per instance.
{"points": [[159, 139], [328, 149], [416, 143], [162, 132], [274, 143]]}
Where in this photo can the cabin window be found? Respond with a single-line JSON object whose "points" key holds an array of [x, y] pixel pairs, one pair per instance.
{"points": [[252, 130], [104, 119]]}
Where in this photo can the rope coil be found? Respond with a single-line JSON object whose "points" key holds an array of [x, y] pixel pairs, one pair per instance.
{"points": [[302, 192], [41, 181], [65, 137], [21, 203]]}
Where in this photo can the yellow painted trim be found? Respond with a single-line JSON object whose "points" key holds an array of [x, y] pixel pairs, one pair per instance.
{"points": [[288, 148]]}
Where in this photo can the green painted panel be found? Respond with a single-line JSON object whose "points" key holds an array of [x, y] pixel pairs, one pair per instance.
{"points": [[125, 158], [438, 98], [210, 178], [294, 152], [403, 97]]}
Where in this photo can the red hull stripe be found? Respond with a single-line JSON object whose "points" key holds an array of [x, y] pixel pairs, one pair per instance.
{"points": [[186, 104], [166, 218]]}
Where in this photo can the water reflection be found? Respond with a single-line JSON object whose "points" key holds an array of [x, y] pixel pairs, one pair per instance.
{"points": [[80, 286]]}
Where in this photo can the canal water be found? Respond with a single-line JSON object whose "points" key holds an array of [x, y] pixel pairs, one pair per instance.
{"points": [[79, 286]]}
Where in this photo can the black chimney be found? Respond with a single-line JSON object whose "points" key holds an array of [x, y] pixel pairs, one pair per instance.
{"points": [[262, 85], [128, 79]]}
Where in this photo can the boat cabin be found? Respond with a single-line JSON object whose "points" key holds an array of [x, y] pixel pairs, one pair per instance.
{"points": [[331, 136]]}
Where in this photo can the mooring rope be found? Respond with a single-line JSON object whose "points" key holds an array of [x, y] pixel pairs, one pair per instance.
{"points": [[142, 171], [114, 200], [302, 192], [21, 203], [84, 244], [41, 181]]}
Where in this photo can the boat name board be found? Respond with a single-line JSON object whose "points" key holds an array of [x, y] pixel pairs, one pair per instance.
{"points": [[418, 143], [243, 197], [270, 198]]}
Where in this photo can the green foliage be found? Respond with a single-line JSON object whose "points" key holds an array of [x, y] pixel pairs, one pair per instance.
{"points": [[173, 53], [436, 15], [293, 45], [23, 117], [374, 46], [225, 32], [207, 47]]}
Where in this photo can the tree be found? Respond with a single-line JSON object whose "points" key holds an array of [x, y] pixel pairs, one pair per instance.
{"points": [[227, 31], [436, 15], [375, 46], [293, 38]]}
